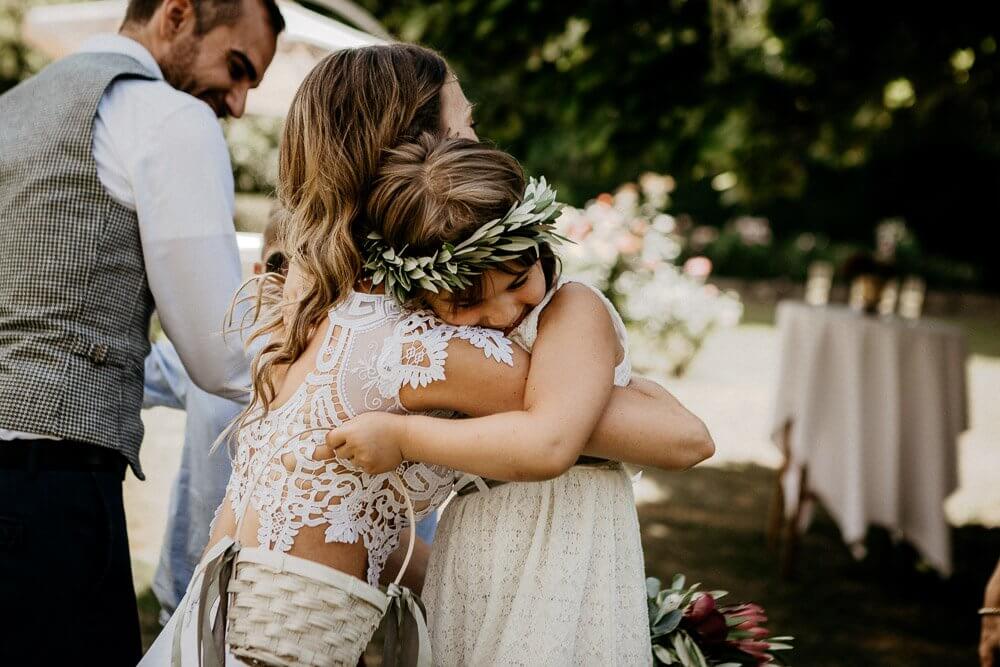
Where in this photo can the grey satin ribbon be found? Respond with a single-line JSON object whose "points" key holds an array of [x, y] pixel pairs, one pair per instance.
{"points": [[407, 642], [214, 586]]}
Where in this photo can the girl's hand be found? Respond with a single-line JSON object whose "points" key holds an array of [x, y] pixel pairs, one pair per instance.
{"points": [[370, 441]]}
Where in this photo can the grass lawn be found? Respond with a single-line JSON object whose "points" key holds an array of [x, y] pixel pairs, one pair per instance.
{"points": [[885, 610]]}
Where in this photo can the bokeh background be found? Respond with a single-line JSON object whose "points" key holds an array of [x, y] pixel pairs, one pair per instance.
{"points": [[783, 132]]}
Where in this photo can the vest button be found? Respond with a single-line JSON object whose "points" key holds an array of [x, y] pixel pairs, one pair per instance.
{"points": [[98, 353]]}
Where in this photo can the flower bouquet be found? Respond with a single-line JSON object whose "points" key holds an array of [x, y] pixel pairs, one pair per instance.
{"points": [[689, 629]]}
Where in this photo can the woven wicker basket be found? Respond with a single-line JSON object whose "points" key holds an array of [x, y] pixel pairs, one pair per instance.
{"points": [[290, 611]]}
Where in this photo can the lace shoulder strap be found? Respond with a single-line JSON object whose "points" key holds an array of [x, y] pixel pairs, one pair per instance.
{"points": [[415, 352]]}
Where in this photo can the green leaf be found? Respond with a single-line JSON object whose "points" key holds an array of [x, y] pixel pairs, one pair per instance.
{"points": [[664, 655], [518, 246], [652, 586], [669, 622], [678, 582], [681, 649], [695, 651]]}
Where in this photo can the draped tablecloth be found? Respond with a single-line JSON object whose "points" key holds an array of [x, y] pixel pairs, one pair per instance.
{"points": [[876, 406]]}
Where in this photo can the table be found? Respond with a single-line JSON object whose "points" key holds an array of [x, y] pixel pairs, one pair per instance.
{"points": [[868, 411]]}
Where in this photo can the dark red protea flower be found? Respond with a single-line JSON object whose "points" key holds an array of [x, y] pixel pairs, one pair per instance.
{"points": [[704, 620]]}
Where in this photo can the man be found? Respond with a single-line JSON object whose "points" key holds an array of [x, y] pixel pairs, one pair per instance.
{"points": [[116, 195]]}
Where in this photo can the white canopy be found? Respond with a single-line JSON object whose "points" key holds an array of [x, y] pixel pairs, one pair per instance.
{"points": [[58, 30]]}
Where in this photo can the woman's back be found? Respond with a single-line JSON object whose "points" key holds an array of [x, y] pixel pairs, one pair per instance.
{"points": [[367, 351]]}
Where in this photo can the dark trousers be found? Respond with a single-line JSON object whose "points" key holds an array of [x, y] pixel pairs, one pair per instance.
{"points": [[66, 593]]}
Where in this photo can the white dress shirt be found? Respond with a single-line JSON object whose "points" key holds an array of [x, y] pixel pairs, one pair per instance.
{"points": [[161, 153]]}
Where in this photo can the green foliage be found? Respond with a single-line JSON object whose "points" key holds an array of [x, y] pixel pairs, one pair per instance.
{"points": [[17, 60], [822, 116]]}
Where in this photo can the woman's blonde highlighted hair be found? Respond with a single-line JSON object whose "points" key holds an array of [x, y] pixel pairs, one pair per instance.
{"points": [[353, 106]]}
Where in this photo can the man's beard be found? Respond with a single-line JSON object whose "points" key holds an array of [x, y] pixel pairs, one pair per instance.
{"points": [[178, 71]]}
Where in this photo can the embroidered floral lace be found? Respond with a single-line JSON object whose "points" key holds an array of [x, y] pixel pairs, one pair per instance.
{"points": [[372, 348]]}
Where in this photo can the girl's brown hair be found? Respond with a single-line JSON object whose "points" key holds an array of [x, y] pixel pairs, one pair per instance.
{"points": [[350, 108], [436, 190]]}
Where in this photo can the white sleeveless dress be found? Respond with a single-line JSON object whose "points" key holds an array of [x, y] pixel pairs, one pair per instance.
{"points": [[542, 573], [371, 349]]}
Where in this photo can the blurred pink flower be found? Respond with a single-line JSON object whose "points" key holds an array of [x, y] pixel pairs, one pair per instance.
{"points": [[605, 198], [579, 230], [749, 612], [628, 244], [639, 226], [699, 267]]}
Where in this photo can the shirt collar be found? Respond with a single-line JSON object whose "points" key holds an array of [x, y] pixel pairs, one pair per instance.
{"points": [[112, 43]]}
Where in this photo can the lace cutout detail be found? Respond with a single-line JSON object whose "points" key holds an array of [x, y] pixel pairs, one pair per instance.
{"points": [[416, 351], [370, 349]]}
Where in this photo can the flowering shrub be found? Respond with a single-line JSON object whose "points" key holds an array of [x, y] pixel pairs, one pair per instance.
{"points": [[627, 246]]}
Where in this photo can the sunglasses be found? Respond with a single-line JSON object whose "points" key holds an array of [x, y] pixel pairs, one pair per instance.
{"points": [[276, 262]]}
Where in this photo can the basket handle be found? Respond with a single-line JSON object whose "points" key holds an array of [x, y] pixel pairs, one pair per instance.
{"points": [[410, 514]]}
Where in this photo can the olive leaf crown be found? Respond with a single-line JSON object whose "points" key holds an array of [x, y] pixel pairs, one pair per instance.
{"points": [[526, 226]]}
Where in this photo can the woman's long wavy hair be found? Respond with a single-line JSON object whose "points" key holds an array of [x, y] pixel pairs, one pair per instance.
{"points": [[352, 107]]}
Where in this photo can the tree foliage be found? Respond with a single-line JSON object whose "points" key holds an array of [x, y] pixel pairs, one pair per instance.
{"points": [[821, 115]]}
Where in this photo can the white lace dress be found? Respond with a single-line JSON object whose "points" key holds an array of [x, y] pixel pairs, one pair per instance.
{"points": [[541, 573], [370, 350]]}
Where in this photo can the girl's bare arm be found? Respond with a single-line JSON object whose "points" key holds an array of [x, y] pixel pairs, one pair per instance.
{"points": [[642, 424], [568, 387]]}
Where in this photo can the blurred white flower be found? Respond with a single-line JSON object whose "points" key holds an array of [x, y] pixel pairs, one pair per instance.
{"points": [[888, 235], [753, 231], [627, 246]]}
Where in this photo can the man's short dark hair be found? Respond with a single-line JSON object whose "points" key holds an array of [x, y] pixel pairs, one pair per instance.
{"points": [[208, 13]]}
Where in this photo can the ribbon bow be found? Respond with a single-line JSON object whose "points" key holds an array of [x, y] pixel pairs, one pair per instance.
{"points": [[407, 642], [214, 586]]}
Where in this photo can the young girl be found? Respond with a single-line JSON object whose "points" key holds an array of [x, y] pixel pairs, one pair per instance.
{"points": [[341, 348], [545, 573]]}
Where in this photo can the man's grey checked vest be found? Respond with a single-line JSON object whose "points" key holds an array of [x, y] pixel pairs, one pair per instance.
{"points": [[74, 301]]}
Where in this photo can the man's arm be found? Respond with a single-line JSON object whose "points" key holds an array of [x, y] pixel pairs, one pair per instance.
{"points": [[182, 181]]}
